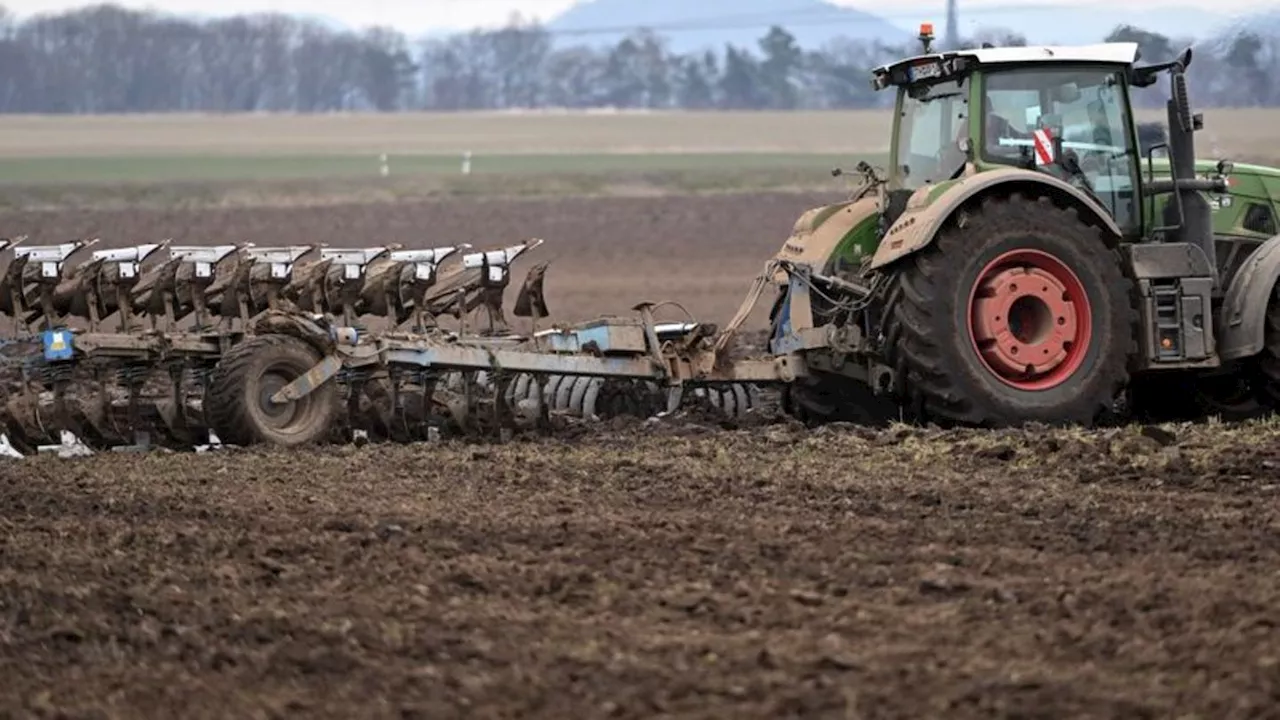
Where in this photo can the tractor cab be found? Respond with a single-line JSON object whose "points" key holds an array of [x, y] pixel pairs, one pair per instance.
{"points": [[1061, 111]]}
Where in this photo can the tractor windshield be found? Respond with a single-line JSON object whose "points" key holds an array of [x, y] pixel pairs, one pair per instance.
{"points": [[932, 119], [1026, 109]]}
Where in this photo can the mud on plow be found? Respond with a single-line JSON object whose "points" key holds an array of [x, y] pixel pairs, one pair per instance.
{"points": [[187, 347]]}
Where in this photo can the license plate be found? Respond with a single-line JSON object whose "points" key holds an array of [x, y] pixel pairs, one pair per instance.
{"points": [[925, 72]]}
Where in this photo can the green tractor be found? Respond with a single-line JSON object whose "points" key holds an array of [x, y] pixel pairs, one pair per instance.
{"points": [[1029, 258]]}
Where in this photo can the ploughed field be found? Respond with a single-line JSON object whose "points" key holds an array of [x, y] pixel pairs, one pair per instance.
{"points": [[664, 569], [637, 569]]}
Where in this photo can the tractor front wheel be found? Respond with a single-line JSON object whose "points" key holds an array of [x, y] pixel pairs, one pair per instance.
{"points": [[1016, 313], [238, 405]]}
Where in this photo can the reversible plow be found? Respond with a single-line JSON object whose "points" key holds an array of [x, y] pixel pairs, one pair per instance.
{"points": [[187, 347]]}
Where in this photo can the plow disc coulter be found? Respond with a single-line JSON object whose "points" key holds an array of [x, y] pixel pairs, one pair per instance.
{"points": [[190, 346]]}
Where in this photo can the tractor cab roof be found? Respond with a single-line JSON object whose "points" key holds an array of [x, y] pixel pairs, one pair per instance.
{"points": [[938, 66]]}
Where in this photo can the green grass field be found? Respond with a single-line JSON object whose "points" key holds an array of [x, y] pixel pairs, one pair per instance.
{"points": [[55, 150], [162, 158], [218, 168]]}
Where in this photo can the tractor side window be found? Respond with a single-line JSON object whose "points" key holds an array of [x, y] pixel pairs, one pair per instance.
{"points": [[1259, 218], [1026, 110], [931, 121], [1009, 119]]}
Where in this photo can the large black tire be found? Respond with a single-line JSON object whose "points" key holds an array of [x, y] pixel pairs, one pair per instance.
{"points": [[1083, 307], [1268, 365], [237, 405], [825, 398], [1187, 396], [1230, 398]]}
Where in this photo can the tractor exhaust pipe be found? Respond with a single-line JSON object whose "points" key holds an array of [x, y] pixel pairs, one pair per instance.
{"points": [[1196, 226]]}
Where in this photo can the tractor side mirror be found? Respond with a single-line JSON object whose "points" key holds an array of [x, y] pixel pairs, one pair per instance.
{"points": [[1184, 58]]}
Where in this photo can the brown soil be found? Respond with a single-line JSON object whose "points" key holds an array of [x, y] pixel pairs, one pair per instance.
{"points": [[660, 570]]}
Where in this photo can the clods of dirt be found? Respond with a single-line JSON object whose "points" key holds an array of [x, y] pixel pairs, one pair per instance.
{"points": [[834, 572]]}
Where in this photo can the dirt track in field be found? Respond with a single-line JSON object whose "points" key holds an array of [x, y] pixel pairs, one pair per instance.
{"points": [[607, 254], [674, 570]]}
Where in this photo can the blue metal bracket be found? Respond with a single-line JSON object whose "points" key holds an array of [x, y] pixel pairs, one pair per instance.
{"points": [[59, 344]]}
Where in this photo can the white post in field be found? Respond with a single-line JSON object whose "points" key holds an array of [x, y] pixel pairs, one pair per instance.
{"points": [[466, 163], [384, 167]]}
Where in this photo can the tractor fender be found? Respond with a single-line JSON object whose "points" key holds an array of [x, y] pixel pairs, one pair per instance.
{"points": [[1242, 321], [818, 233], [928, 210]]}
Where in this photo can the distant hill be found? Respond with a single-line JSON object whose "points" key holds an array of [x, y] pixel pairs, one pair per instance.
{"points": [[692, 26], [1072, 25]]}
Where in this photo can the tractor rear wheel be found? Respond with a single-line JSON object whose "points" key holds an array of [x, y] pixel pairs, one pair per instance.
{"points": [[1017, 313], [1268, 364], [238, 404]]}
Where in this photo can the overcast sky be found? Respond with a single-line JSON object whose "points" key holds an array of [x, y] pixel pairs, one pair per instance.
{"points": [[417, 16]]}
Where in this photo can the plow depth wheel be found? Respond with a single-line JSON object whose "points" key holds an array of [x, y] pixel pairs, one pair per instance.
{"points": [[238, 403], [1020, 313]]}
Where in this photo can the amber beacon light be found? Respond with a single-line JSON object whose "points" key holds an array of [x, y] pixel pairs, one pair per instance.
{"points": [[926, 36]]}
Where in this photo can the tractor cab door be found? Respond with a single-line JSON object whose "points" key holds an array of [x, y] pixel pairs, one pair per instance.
{"points": [[930, 122], [1026, 110]]}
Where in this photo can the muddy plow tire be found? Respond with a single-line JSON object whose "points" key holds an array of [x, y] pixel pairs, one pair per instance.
{"points": [[237, 403], [1019, 313]]}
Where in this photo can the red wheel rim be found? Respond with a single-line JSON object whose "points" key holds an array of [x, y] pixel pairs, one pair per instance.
{"points": [[1029, 319]]}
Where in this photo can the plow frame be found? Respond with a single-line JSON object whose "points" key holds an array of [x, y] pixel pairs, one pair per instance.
{"points": [[675, 356], [266, 292]]}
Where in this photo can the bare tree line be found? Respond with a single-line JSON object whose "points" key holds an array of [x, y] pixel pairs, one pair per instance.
{"points": [[107, 59]]}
